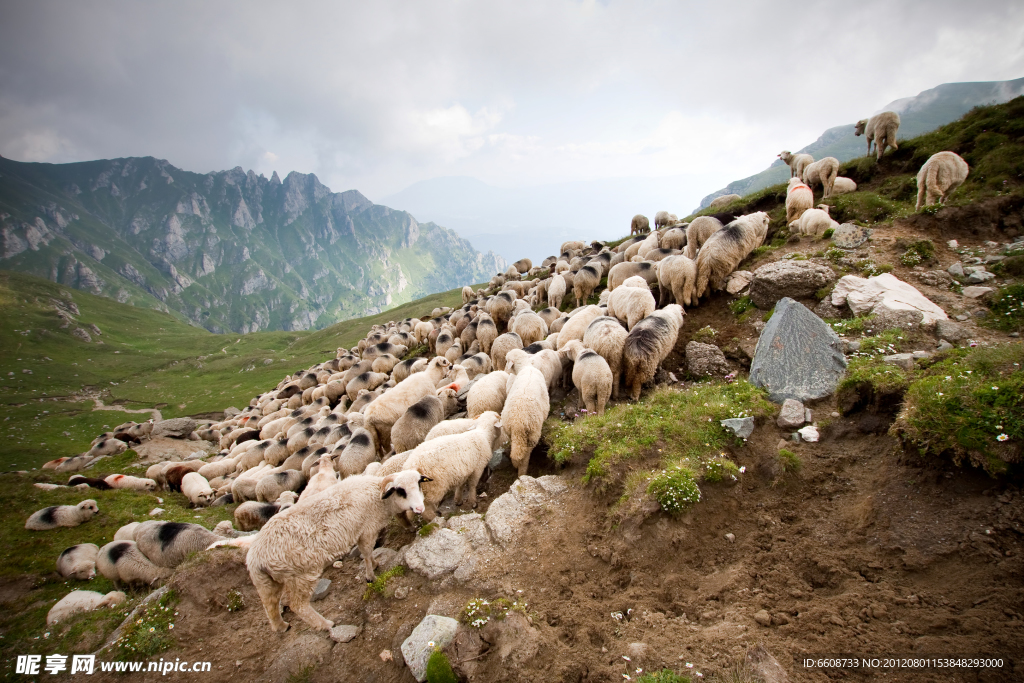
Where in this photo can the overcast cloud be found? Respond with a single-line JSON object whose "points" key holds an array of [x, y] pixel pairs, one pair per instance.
{"points": [[376, 96]]}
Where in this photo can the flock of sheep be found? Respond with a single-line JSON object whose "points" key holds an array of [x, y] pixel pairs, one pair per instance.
{"points": [[323, 461]]}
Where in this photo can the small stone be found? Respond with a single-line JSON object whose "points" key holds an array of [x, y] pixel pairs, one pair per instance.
{"points": [[944, 345], [402, 592], [780, 619], [956, 270], [781, 445], [155, 512], [320, 592], [975, 293], [433, 632], [993, 258], [344, 633], [792, 415], [1015, 334], [738, 281], [833, 414], [809, 433], [852, 346], [951, 331], [962, 317], [850, 236], [386, 656], [921, 354], [742, 427], [979, 277], [902, 360], [808, 415], [337, 565], [953, 244], [730, 537], [762, 617]]}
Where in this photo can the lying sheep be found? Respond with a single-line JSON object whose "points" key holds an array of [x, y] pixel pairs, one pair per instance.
{"points": [[385, 411], [726, 248], [843, 186], [939, 177], [124, 564], [813, 222], [698, 232], [91, 482], [455, 463], [677, 279], [197, 489], [822, 172], [168, 544], [723, 200], [631, 303], [411, 429], [796, 162], [78, 561], [880, 129], [799, 198], [524, 413], [648, 344], [487, 394], [291, 551], [639, 225], [57, 516], [108, 447], [82, 601], [174, 473], [590, 375]]}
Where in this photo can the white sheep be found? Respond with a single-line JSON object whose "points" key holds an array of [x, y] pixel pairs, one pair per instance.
{"points": [[547, 361], [590, 375], [529, 326], [383, 412], [639, 225], [524, 413], [698, 232], [674, 238], [843, 185], [197, 489], [619, 272], [447, 427], [467, 294], [357, 453], [661, 219], [455, 463], [57, 516], [796, 162], [125, 481], [487, 394], [411, 429], [631, 302], [677, 279], [726, 248], [126, 532], [486, 331], [799, 198], [78, 561], [556, 290], [939, 177], [82, 601], [648, 344], [502, 345], [822, 172], [606, 336], [292, 549], [723, 200], [325, 477], [124, 564], [880, 129], [586, 281]]}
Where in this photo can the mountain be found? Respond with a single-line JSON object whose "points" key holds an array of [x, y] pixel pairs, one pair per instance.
{"points": [[227, 250], [920, 114]]}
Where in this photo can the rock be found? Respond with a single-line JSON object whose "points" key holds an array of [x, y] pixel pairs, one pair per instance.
{"points": [[730, 537], [952, 244], [864, 295], [850, 236], [437, 554], [895, 319], [962, 317], [764, 666], [809, 434], [901, 360], [473, 528], [970, 270], [320, 592], [230, 412], [402, 592], [991, 258], [936, 278], [705, 360], [852, 346], [918, 355], [505, 514], [951, 331], [742, 427], [826, 310], [386, 558], [738, 281], [792, 414], [956, 270], [386, 656], [945, 345], [762, 617], [808, 416], [798, 355], [788, 278], [179, 428], [433, 632], [499, 460], [343, 633], [980, 276], [81, 334], [975, 293], [552, 483], [156, 512]]}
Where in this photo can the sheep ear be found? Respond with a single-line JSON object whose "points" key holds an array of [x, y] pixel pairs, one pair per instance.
{"points": [[388, 491], [386, 486]]}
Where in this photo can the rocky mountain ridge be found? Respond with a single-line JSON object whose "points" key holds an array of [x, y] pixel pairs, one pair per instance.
{"points": [[227, 250]]}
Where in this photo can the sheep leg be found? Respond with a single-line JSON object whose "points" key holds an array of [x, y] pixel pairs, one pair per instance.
{"points": [[365, 544], [616, 379], [520, 454], [270, 594], [300, 590], [474, 480]]}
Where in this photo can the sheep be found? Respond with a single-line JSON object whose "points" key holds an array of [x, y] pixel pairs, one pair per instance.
{"points": [[586, 281], [556, 291], [168, 544], [220, 468], [123, 563], [126, 532], [796, 162], [78, 561], [197, 489], [292, 549], [363, 399], [880, 129], [82, 601], [547, 361], [620, 272], [576, 326], [311, 460], [107, 447], [448, 427], [408, 367], [813, 222], [822, 172], [939, 177], [272, 485], [502, 345], [99, 484], [630, 304], [454, 463], [561, 267], [677, 277], [411, 429], [575, 245], [454, 351], [251, 516], [385, 363], [843, 186], [723, 200], [368, 380], [487, 393], [486, 331], [524, 413], [698, 232], [500, 309], [377, 350], [674, 238], [523, 265], [661, 219], [799, 198], [176, 471], [244, 486], [648, 344], [62, 515], [727, 247], [639, 225], [590, 374], [606, 336], [383, 412], [467, 294], [357, 453], [325, 477], [529, 326]]}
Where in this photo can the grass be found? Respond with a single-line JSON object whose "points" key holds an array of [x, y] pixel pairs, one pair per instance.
{"points": [[380, 583], [969, 407], [921, 251], [791, 462], [152, 631], [741, 305], [1007, 306], [663, 676], [439, 669]]}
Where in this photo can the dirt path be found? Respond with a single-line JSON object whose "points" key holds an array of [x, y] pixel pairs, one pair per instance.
{"points": [[99, 405]]}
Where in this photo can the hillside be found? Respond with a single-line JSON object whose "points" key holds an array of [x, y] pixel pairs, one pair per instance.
{"points": [[648, 543], [227, 251], [918, 115]]}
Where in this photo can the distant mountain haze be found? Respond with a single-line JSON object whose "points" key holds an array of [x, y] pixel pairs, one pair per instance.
{"points": [[229, 250]]}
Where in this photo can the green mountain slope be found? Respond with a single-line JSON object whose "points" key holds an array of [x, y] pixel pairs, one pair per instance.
{"points": [[228, 251]]}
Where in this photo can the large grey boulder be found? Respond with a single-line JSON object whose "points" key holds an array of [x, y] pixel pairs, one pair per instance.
{"points": [[705, 360], [850, 236], [507, 513], [798, 355], [179, 427], [437, 554], [951, 331], [433, 632], [794, 279]]}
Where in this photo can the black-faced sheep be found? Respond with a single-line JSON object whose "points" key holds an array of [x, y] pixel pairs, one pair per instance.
{"points": [[726, 248], [292, 549], [78, 561], [939, 177], [524, 413], [123, 563], [590, 375], [880, 129], [57, 516]]}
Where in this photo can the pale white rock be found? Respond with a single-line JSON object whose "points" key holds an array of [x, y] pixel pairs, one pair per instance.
{"points": [[901, 360], [952, 244], [792, 415], [437, 554], [433, 632], [471, 527], [864, 295], [343, 633], [156, 511], [738, 281], [975, 293], [808, 433]]}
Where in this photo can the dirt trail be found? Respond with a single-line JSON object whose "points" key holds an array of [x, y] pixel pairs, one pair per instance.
{"points": [[99, 405]]}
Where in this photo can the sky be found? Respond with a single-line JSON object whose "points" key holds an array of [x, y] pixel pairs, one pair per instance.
{"points": [[378, 96]]}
